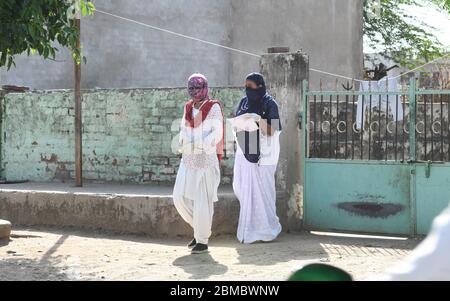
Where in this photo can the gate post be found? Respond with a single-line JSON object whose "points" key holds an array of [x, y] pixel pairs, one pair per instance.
{"points": [[412, 119], [412, 155], [285, 73]]}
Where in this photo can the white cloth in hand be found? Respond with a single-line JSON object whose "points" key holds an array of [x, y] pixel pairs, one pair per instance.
{"points": [[245, 122]]}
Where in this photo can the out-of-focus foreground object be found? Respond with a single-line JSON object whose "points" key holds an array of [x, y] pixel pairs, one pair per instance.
{"points": [[430, 260], [320, 272]]}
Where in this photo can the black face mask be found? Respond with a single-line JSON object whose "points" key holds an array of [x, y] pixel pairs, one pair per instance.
{"points": [[255, 95]]}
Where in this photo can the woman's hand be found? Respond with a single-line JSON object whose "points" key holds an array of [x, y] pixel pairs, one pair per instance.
{"points": [[187, 148]]}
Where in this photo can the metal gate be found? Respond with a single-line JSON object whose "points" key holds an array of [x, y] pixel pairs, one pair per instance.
{"points": [[375, 162]]}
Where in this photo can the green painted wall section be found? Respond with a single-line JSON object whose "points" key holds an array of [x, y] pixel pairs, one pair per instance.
{"points": [[127, 134]]}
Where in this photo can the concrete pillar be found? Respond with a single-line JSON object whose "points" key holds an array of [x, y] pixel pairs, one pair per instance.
{"points": [[5, 229], [284, 74]]}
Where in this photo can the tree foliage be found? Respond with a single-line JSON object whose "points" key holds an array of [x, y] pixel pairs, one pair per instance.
{"points": [[408, 43], [38, 26]]}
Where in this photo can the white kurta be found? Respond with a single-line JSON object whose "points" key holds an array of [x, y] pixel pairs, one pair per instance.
{"points": [[254, 186], [198, 176]]}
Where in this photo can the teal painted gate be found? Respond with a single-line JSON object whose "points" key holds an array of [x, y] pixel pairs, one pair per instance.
{"points": [[376, 161]]}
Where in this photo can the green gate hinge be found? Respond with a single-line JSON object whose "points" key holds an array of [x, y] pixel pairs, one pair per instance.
{"points": [[300, 120], [427, 169]]}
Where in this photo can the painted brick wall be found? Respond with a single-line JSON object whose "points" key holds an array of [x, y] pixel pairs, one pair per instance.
{"points": [[127, 134]]}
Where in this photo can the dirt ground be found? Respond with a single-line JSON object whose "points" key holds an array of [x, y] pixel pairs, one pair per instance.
{"points": [[54, 254]]}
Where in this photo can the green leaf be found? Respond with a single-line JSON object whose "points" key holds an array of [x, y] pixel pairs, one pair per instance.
{"points": [[53, 52], [3, 58], [32, 31], [46, 52], [11, 62], [83, 10], [40, 49], [91, 6]]}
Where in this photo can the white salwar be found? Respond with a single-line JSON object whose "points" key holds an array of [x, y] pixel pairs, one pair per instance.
{"points": [[198, 176], [254, 186]]}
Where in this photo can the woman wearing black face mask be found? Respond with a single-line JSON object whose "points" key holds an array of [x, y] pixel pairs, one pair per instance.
{"points": [[255, 164]]}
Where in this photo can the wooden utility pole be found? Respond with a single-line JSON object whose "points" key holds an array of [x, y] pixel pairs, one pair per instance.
{"points": [[78, 126]]}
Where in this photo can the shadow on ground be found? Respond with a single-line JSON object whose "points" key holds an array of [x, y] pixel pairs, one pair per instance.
{"points": [[195, 265], [15, 268]]}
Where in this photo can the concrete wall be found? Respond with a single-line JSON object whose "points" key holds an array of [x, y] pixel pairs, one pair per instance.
{"points": [[329, 31], [127, 134], [285, 73], [126, 55]]}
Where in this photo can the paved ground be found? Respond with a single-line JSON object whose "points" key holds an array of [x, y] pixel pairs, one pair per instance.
{"points": [[55, 254]]}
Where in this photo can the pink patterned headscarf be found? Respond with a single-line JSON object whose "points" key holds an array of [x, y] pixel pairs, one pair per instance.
{"points": [[198, 87]]}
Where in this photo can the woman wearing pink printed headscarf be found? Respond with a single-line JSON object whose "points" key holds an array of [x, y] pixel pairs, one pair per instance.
{"points": [[198, 178]]}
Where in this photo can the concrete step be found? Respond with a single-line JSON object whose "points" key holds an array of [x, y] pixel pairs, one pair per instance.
{"points": [[5, 229], [137, 209]]}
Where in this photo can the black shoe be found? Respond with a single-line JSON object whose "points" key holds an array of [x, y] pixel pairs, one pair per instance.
{"points": [[200, 248], [192, 244]]}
